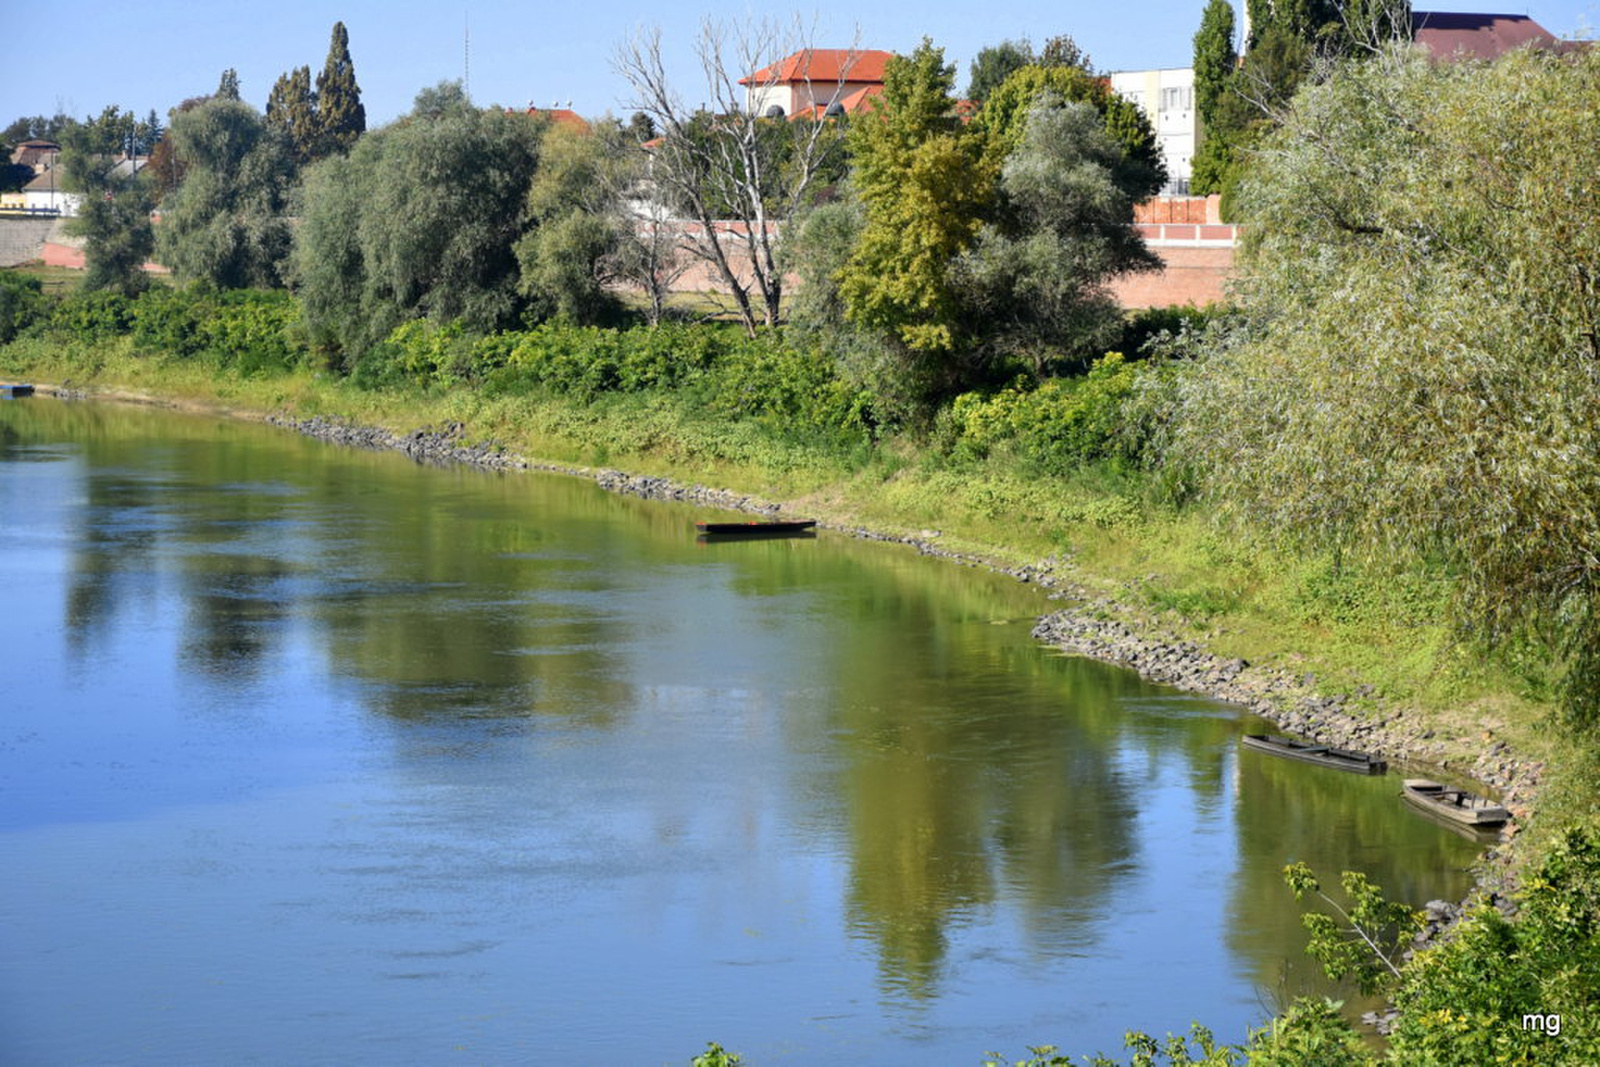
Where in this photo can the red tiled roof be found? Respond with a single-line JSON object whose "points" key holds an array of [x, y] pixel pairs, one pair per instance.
{"points": [[1451, 33], [561, 116], [824, 65], [853, 101]]}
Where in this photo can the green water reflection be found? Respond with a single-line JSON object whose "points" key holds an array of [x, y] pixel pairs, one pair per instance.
{"points": [[813, 799]]}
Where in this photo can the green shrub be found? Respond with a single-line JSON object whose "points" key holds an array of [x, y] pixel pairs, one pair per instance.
{"points": [[1147, 324], [1058, 426], [21, 303], [1465, 1000], [93, 316], [170, 321]]}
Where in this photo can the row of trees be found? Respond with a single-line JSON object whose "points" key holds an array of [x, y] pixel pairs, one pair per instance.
{"points": [[941, 248]]}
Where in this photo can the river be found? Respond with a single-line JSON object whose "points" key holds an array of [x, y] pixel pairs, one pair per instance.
{"points": [[315, 755]]}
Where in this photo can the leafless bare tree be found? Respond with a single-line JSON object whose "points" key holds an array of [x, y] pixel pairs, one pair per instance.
{"points": [[735, 174]]}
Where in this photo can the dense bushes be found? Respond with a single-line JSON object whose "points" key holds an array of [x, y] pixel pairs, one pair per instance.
{"points": [[21, 304], [714, 369], [251, 331], [1058, 426]]}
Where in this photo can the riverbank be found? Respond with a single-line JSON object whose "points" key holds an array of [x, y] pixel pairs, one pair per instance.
{"points": [[1110, 608], [1093, 623]]}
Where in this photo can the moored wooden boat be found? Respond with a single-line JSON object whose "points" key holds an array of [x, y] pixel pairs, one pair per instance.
{"points": [[756, 528], [1457, 805], [1321, 755]]}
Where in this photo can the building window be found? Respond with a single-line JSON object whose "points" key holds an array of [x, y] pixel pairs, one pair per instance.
{"points": [[1177, 99]]}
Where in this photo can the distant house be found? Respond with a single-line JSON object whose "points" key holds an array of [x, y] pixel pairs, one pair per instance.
{"points": [[36, 154], [561, 116], [817, 81], [44, 194], [1166, 97], [1450, 35]]}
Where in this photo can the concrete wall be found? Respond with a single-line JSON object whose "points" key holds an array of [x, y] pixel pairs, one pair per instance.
{"points": [[22, 240]]}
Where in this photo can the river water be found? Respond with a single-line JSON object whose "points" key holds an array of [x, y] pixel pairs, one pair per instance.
{"points": [[315, 755]]}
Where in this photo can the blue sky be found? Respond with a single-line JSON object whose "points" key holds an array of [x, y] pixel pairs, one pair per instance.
{"points": [[157, 52]]}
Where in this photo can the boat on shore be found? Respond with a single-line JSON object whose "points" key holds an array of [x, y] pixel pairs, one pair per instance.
{"points": [[1456, 805], [14, 389], [757, 528], [1321, 755]]}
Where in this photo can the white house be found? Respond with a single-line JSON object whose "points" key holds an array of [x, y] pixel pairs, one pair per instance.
{"points": [[45, 196], [1167, 99], [814, 80]]}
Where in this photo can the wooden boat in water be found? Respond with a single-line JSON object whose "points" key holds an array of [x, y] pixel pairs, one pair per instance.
{"points": [[13, 390], [757, 528], [1456, 805], [1321, 755]]}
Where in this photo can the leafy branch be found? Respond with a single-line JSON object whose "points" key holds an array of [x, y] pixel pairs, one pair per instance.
{"points": [[1366, 940]]}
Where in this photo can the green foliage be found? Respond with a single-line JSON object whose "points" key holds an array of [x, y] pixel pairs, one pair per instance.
{"points": [[1214, 58], [1151, 1052], [569, 259], [36, 128], [21, 303], [1059, 426], [1002, 123], [341, 117], [1464, 1001], [114, 217], [227, 86], [1146, 328], [1414, 372], [1062, 51], [716, 1056], [227, 224], [421, 219], [994, 64], [1309, 1032], [292, 109], [93, 315], [1035, 283], [248, 331], [922, 184], [1365, 940], [1246, 107]]}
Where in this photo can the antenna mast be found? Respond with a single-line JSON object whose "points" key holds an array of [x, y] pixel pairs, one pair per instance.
{"points": [[466, 52]]}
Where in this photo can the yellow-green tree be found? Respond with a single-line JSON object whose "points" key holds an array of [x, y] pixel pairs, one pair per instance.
{"points": [[923, 182]]}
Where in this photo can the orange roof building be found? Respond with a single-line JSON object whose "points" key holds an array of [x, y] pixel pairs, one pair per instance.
{"points": [[1459, 34], [562, 116], [816, 81]]}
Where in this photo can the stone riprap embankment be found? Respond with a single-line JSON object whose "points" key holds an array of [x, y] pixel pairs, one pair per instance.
{"points": [[1286, 699]]}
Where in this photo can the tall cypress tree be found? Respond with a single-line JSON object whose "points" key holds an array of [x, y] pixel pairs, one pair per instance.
{"points": [[1214, 58], [292, 108], [228, 85], [340, 117]]}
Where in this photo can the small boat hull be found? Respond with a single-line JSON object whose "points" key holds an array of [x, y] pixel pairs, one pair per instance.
{"points": [[776, 528], [1456, 805], [8, 389], [1309, 752]]}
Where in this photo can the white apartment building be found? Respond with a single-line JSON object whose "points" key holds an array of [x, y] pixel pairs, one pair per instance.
{"points": [[1167, 99]]}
